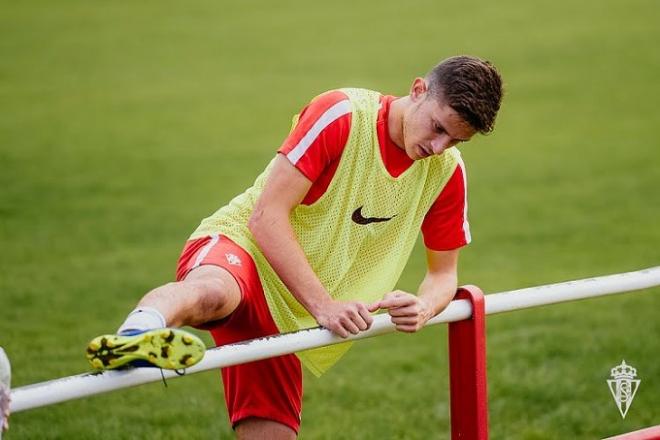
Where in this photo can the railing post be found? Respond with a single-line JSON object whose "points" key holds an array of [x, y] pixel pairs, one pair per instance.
{"points": [[468, 386]]}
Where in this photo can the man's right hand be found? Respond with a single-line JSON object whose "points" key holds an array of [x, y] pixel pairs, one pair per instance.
{"points": [[344, 318]]}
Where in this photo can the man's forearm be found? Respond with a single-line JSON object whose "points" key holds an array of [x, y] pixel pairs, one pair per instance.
{"points": [[273, 233], [270, 225]]}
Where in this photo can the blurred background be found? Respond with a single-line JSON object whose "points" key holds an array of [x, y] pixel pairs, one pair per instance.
{"points": [[124, 123]]}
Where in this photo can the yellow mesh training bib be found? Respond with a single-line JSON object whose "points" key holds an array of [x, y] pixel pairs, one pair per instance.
{"points": [[357, 236]]}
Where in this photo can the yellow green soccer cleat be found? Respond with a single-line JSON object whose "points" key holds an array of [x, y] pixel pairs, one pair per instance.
{"points": [[168, 348]]}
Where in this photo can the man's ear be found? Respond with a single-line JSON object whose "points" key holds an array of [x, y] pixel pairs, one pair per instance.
{"points": [[418, 89]]}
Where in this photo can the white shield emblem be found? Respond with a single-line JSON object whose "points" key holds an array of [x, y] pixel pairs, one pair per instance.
{"points": [[623, 386]]}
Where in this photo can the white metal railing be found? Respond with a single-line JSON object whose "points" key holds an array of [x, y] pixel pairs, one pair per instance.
{"points": [[73, 387]]}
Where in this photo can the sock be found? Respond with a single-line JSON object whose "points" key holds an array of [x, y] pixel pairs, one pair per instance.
{"points": [[141, 319]]}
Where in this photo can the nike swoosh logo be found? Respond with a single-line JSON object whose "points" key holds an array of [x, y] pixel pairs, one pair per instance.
{"points": [[361, 220]]}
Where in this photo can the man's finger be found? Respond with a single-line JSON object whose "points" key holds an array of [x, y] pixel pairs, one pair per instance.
{"points": [[339, 331], [407, 328], [411, 310], [373, 306], [366, 316], [404, 320], [398, 301], [361, 323], [390, 295], [356, 315], [336, 328], [349, 326]]}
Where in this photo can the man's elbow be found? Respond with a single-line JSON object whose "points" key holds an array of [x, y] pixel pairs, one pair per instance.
{"points": [[263, 221], [255, 221]]}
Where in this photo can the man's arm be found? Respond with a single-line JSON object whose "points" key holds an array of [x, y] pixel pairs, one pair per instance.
{"points": [[410, 312], [285, 188]]}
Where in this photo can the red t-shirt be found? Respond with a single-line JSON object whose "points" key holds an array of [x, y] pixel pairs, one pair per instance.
{"points": [[315, 146]]}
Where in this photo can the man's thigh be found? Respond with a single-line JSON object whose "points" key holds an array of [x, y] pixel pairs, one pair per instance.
{"points": [[213, 267]]}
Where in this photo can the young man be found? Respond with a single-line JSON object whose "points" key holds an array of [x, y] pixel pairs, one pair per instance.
{"points": [[321, 239]]}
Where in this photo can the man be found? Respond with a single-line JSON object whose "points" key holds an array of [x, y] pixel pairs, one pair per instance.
{"points": [[321, 239]]}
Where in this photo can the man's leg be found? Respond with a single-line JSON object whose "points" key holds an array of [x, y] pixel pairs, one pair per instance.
{"points": [[219, 289], [149, 334], [208, 293], [264, 395], [264, 398], [254, 428]]}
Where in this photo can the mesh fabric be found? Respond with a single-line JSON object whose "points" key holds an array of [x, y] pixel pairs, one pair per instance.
{"points": [[356, 262]]}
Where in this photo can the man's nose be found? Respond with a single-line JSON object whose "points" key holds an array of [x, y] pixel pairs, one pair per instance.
{"points": [[439, 144]]}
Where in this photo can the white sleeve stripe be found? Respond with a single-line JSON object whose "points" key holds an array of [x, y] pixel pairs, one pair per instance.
{"points": [[205, 251], [466, 224], [332, 114]]}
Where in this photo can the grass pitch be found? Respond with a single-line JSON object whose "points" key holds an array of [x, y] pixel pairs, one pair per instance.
{"points": [[123, 124]]}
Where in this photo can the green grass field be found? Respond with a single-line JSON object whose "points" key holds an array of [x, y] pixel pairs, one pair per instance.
{"points": [[124, 123]]}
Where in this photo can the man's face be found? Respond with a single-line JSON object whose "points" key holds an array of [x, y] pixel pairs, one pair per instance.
{"points": [[430, 126]]}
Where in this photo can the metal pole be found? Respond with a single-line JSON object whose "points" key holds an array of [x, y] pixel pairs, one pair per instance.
{"points": [[572, 290], [73, 387], [468, 383]]}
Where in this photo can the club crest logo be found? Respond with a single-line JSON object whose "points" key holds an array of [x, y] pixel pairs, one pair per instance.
{"points": [[623, 386]]}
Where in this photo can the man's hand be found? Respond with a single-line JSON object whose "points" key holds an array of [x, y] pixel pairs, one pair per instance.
{"points": [[344, 318], [408, 312]]}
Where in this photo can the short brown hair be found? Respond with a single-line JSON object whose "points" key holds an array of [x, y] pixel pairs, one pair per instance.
{"points": [[471, 86]]}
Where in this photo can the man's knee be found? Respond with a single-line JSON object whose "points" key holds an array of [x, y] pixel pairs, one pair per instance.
{"points": [[214, 291]]}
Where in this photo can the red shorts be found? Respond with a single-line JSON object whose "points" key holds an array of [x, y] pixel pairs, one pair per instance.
{"points": [[270, 388]]}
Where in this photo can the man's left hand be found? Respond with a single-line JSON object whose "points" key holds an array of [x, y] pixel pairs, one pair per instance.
{"points": [[408, 312]]}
